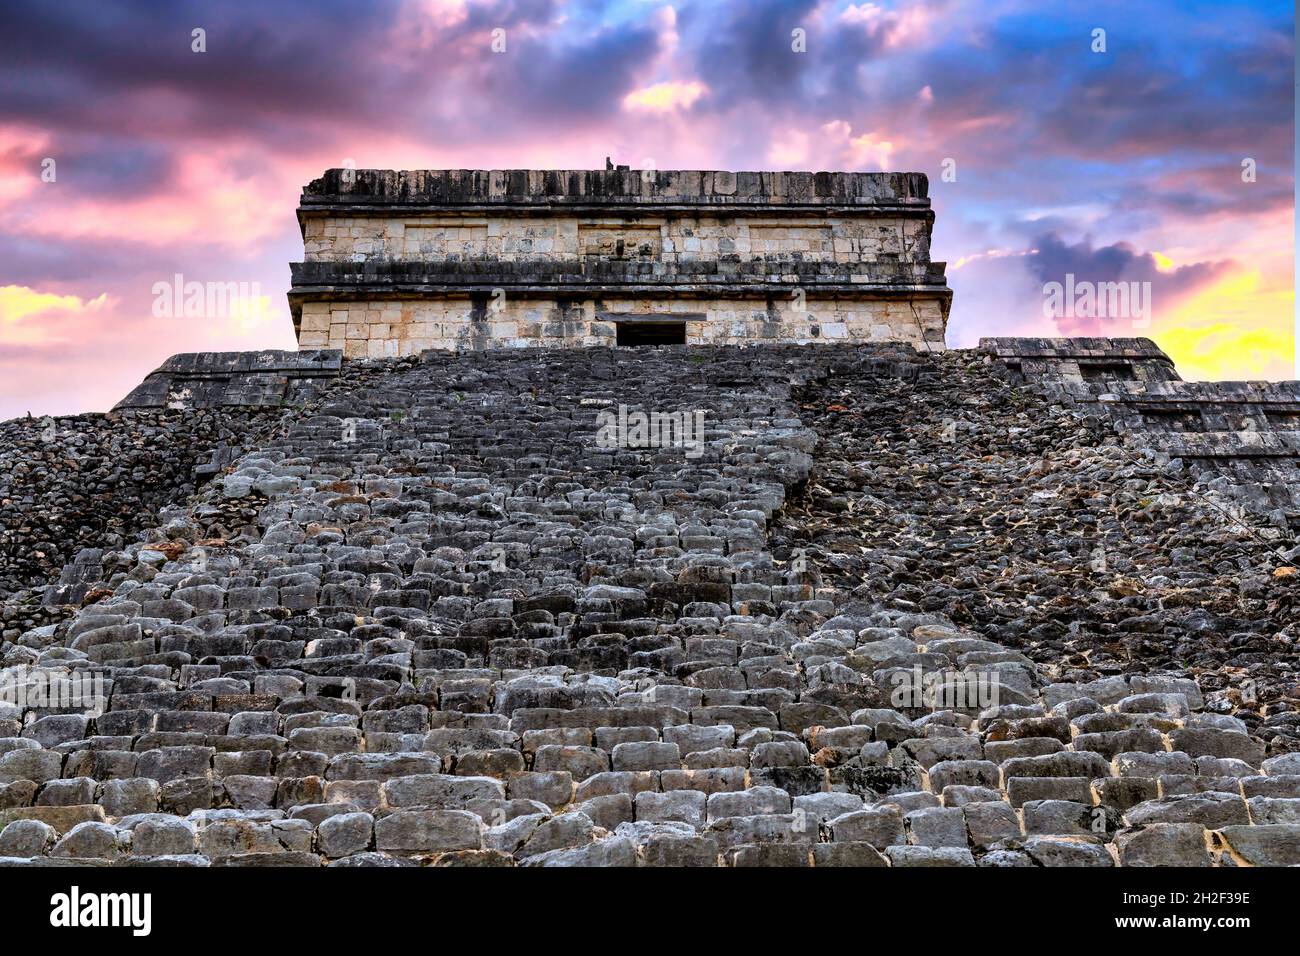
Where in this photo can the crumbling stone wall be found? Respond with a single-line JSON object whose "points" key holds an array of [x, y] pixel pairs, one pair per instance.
{"points": [[397, 262], [97, 480], [90, 480]]}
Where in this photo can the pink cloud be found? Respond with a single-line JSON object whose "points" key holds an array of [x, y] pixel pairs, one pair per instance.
{"points": [[895, 29]]}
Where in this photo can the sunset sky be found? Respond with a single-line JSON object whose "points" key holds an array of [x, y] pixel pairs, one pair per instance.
{"points": [[1125, 164]]}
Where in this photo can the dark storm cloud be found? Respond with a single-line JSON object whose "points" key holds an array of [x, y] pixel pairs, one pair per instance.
{"points": [[743, 51], [299, 69], [1120, 261], [1226, 100], [1179, 87], [97, 64], [572, 78]]}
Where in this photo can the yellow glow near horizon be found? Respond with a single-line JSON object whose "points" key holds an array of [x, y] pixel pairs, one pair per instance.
{"points": [[250, 314], [1238, 328]]}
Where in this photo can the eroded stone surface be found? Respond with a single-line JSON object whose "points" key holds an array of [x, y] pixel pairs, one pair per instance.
{"points": [[426, 618], [397, 261]]}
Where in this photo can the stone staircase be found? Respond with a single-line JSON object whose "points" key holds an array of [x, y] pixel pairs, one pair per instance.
{"points": [[432, 620]]}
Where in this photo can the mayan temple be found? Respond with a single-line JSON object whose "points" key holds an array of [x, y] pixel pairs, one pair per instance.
{"points": [[398, 262], [642, 518]]}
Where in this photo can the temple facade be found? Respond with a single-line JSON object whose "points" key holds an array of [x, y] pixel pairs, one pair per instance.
{"points": [[396, 262]]}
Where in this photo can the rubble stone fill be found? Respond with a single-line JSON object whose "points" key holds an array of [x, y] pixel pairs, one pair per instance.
{"points": [[899, 608]]}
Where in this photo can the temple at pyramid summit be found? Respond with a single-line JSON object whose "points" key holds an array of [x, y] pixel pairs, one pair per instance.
{"points": [[396, 262]]}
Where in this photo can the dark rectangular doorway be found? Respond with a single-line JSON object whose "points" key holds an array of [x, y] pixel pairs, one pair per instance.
{"points": [[658, 332]]}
